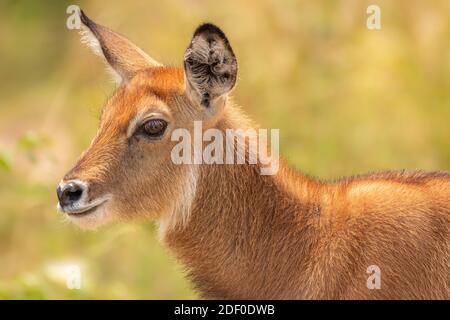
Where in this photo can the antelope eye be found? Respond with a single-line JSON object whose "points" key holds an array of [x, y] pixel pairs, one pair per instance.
{"points": [[154, 128]]}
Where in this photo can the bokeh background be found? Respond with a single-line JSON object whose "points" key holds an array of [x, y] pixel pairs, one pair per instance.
{"points": [[347, 100]]}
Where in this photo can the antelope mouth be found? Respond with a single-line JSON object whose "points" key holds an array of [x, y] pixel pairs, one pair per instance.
{"points": [[79, 212], [83, 211]]}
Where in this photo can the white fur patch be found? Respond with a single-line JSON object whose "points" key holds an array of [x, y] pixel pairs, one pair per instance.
{"points": [[92, 221], [89, 39], [133, 124], [181, 209]]}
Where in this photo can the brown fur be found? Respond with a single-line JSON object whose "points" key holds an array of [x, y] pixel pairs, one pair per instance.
{"points": [[268, 237], [290, 236]]}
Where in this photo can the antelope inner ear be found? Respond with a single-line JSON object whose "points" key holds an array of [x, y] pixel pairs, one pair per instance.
{"points": [[124, 57], [210, 65]]}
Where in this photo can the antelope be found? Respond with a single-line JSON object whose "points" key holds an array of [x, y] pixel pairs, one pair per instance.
{"points": [[240, 234]]}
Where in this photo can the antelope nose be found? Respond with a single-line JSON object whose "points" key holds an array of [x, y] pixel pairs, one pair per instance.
{"points": [[70, 193]]}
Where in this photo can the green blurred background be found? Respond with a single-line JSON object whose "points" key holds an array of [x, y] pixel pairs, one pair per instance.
{"points": [[347, 100]]}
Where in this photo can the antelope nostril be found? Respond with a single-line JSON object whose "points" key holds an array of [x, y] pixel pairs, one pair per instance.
{"points": [[69, 193]]}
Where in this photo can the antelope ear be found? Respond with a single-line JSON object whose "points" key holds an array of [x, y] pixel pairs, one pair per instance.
{"points": [[123, 56], [210, 67]]}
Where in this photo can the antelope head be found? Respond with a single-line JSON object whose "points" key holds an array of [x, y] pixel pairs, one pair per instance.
{"points": [[127, 170]]}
